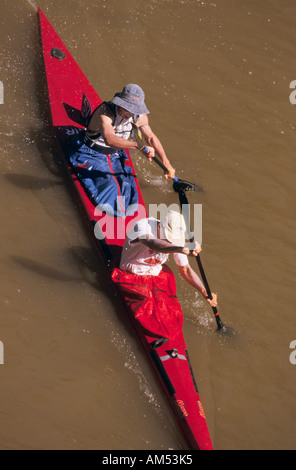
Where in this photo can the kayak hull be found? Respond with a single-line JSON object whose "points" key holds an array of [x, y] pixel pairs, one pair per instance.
{"points": [[71, 98]]}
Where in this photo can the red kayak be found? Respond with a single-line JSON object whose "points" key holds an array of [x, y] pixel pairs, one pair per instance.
{"points": [[72, 99]]}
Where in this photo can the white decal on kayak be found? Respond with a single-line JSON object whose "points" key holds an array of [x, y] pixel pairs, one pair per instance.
{"points": [[173, 354]]}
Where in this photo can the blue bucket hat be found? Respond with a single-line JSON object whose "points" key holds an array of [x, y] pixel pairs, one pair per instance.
{"points": [[132, 99]]}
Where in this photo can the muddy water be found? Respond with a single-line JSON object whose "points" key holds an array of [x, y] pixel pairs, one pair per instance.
{"points": [[216, 76]]}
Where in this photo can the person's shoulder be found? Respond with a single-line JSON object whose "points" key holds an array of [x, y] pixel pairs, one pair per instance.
{"points": [[105, 110], [181, 259]]}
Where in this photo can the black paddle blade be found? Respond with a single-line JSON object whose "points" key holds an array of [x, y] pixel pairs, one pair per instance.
{"points": [[182, 185], [221, 328], [226, 331]]}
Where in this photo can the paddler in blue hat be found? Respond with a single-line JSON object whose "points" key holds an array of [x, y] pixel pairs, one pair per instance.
{"points": [[111, 125], [98, 153]]}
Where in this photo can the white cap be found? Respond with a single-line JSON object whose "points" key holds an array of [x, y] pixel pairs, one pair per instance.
{"points": [[173, 227]]}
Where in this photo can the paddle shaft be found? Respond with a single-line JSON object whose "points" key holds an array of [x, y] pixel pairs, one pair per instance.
{"points": [[141, 142], [183, 200], [159, 163], [215, 310]]}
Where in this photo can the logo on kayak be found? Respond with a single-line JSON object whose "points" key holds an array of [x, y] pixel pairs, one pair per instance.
{"points": [[182, 407], [1, 93], [201, 410]]}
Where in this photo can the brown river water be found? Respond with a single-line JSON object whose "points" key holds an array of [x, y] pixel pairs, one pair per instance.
{"points": [[217, 79]]}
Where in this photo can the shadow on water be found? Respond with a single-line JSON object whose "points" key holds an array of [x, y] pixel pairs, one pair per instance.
{"points": [[92, 268], [46, 144], [44, 270], [92, 271], [33, 183]]}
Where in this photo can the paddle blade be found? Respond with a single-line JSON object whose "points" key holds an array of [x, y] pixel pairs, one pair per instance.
{"points": [[182, 185], [226, 331]]}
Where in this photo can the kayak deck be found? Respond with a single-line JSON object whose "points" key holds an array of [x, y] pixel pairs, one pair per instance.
{"points": [[72, 98]]}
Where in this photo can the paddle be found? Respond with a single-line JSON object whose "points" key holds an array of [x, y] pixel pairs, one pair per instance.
{"points": [[228, 331], [182, 184], [184, 202]]}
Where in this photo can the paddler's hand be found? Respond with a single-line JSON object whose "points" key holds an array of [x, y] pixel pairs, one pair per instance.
{"points": [[149, 152], [194, 252], [214, 301], [170, 174]]}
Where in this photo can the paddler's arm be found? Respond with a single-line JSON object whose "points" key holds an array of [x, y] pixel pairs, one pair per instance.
{"points": [[161, 246], [192, 278], [102, 122], [164, 246], [153, 141], [186, 271]]}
